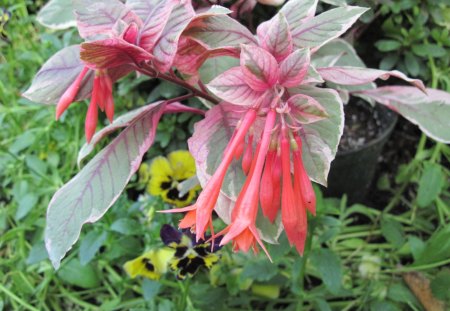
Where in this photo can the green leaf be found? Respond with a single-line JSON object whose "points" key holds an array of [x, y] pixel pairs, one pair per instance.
{"points": [[417, 246], [427, 50], [388, 45], [328, 264], [90, 245], [74, 273], [412, 64], [440, 285], [383, 306], [37, 253], [126, 226], [399, 292], [150, 289], [430, 184], [393, 232], [436, 249], [26, 204], [389, 61], [261, 270]]}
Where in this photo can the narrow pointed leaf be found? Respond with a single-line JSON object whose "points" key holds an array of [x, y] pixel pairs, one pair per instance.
{"points": [[296, 13], [166, 47], [260, 69], [337, 52], [142, 8], [312, 76], [430, 112], [154, 24], [113, 52], [96, 19], [277, 40], [321, 139], [88, 196], [347, 75], [306, 109], [56, 75], [219, 31], [231, 87], [321, 29], [294, 68]]}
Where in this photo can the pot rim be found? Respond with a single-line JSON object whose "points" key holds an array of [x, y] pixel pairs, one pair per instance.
{"points": [[379, 138]]}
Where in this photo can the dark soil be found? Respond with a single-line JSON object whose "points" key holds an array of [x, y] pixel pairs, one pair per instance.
{"points": [[362, 125]]}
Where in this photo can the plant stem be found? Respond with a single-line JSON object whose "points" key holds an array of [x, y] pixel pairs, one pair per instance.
{"points": [[173, 79], [301, 275], [17, 299]]}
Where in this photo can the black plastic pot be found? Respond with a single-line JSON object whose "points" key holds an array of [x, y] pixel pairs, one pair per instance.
{"points": [[352, 171]]}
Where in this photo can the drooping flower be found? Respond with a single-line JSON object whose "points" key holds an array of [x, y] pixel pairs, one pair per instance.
{"points": [[259, 87], [189, 255], [166, 174]]}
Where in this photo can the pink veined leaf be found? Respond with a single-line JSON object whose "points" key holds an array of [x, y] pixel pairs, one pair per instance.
{"points": [[231, 87], [87, 196], [127, 119], [154, 24], [321, 139], [142, 8], [306, 109], [166, 46], [56, 75], [96, 19], [260, 69], [219, 31], [347, 75], [431, 111], [277, 40], [296, 12], [319, 30], [294, 68], [110, 53]]}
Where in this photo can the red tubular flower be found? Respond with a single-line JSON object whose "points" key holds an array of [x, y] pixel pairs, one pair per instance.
{"points": [[206, 201], [247, 159], [243, 230], [276, 181], [302, 182], [266, 192], [69, 95], [291, 207]]}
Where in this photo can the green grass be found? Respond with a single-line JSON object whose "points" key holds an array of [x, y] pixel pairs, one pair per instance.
{"points": [[38, 154]]}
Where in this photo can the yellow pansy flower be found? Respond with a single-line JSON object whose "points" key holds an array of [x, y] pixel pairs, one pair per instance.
{"points": [[167, 173], [152, 265]]}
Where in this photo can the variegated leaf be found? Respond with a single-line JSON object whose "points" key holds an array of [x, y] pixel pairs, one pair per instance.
{"points": [[346, 75], [259, 68], [56, 75], [154, 24], [431, 111], [321, 139], [294, 68], [96, 19], [57, 14], [111, 53], [319, 30], [142, 8], [277, 40], [306, 109], [166, 46], [219, 31], [87, 196], [231, 87]]}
